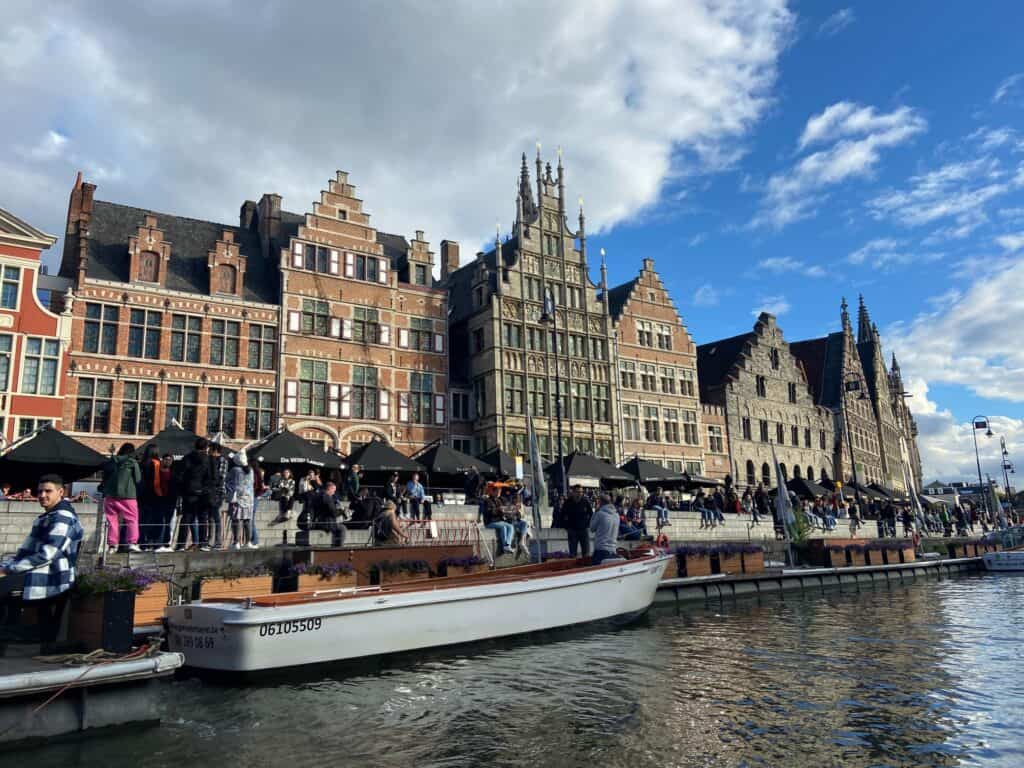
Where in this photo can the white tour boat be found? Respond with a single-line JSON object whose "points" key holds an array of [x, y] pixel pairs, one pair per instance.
{"points": [[1007, 560], [274, 631]]}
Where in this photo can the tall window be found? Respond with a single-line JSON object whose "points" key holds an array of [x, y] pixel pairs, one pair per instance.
{"points": [[227, 279], [690, 428], [794, 435], [313, 387], [364, 393], [28, 426], [751, 476], [807, 443], [138, 408], [671, 416], [644, 333], [627, 374], [514, 394], [716, 441], [686, 382], [225, 340], [480, 396], [651, 424], [664, 337], [421, 397], [478, 339], [773, 354], [746, 428], [598, 349], [792, 392], [538, 395], [763, 424], [100, 329], [259, 411], [9, 287], [421, 334], [6, 345], [366, 325], [367, 268], [421, 274], [220, 411], [92, 408], [766, 475], [42, 360], [144, 334], [603, 448], [557, 342], [577, 345], [317, 259], [186, 336], [262, 346], [182, 405], [780, 434], [668, 381], [460, 407], [580, 400], [463, 444], [600, 392], [631, 421], [515, 443], [761, 384], [149, 267], [648, 377], [315, 317], [694, 468], [513, 336], [535, 339], [821, 439]]}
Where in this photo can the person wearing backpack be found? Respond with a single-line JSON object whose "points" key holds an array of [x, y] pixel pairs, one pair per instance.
{"points": [[196, 490], [121, 479]]}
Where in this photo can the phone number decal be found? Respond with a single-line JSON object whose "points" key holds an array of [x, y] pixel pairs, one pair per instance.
{"points": [[290, 627]]}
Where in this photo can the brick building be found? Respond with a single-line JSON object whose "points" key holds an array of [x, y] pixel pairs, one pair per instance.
{"points": [[506, 350], [364, 329], [764, 392], [33, 339], [660, 413]]}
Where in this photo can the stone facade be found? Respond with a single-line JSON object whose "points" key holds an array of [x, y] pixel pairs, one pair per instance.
{"points": [[763, 390], [660, 414], [364, 331], [716, 441], [906, 426], [512, 354]]}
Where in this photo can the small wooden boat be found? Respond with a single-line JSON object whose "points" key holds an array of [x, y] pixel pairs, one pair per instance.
{"points": [[266, 632]]}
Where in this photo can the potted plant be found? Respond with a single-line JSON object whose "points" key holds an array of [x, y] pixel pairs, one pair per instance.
{"points": [[103, 607], [730, 558], [232, 581], [317, 576], [461, 566], [693, 560], [399, 571], [753, 558]]}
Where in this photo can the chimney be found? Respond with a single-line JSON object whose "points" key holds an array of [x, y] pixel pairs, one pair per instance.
{"points": [[449, 258], [246, 214], [270, 216], [648, 265]]}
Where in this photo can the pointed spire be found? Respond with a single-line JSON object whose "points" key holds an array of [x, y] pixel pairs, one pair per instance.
{"points": [[525, 193], [583, 229], [844, 314], [863, 322], [547, 174]]}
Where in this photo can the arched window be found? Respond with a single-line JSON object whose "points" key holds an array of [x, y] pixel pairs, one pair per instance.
{"points": [[226, 277], [751, 477], [824, 475], [796, 471], [810, 473], [785, 474], [766, 474], [149, 266]]}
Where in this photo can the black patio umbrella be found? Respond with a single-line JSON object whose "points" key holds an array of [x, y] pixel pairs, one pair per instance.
{"points": [[378, 456], [644, 471], [584, 469], [173, 439], [445, 460], [502, 464], [882, 491], [699, 481], [285, 448], [48, 451], [807, 489]]}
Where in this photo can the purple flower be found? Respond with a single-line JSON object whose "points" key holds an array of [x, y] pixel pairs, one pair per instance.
{"points": [[460, 562], [103, 580], [324, 570]]}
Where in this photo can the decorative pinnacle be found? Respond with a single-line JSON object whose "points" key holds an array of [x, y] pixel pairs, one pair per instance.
{"points": [[602, 257]]}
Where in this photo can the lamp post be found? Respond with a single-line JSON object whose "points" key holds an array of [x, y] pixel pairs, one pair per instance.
{"points": [[1007, 465], [550, 314], [980, 422], [851, 383]]}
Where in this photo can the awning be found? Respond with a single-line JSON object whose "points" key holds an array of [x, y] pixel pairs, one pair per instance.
{"points": [[807, 489], [503, 464], [645, 471], [699, 481], [445, 460], [48, 451], [378, 456], [588, 471], [285, 448], [882, 491], [173, 440]]}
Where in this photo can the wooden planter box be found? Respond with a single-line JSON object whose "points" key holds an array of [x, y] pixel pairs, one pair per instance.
{"points": [[402, 577], [247, 586], [464, 570], [872, 557], [150, 604], [671, 569], [832, 559], [695, 566], [730, 563], [103, 621], [753, 562], [312, 582], [907, 555]]}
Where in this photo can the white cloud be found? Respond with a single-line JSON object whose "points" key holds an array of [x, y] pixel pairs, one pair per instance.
{"points": [[697, 239], [780, 264], [773, 305], [859, 134], [994, 138], [837, 22], [878, 245], [49, 147], [430, 133], [707, 296], [1012, 242], [1006, 87], [886, 253]]}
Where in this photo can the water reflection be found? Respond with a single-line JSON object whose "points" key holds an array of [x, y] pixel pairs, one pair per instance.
{"points": [[923, 675]]}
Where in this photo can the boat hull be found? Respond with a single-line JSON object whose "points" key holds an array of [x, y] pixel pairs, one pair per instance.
{"points": [[1009, 560], [231, 637]]}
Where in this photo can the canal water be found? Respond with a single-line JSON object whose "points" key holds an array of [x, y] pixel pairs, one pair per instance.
{"points": [[928, 674]]}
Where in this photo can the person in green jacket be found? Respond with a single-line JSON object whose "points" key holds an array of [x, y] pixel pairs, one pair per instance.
{"points": [[121, 478]]}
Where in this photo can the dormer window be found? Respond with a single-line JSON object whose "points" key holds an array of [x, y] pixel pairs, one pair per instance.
{"points": [[420, 275], [226, 280], [149, 267]]}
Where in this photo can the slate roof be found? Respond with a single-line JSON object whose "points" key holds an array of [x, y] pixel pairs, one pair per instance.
{"points": [[811, 354], [715, 359], [396, 248], [191, 240], [618, 296]]}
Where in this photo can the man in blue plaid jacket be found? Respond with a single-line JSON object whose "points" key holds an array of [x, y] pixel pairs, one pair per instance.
{"points": [[44, 567]]}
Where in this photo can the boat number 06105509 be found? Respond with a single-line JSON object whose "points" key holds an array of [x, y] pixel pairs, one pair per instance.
{"points": [[290, 627]]}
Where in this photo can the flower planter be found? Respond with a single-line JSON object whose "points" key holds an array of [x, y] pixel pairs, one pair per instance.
{"points": [[908, 555], [872, 558], [730, 563], [402, 577], [671, 569], [244, 586], [150, 604], [313, 582], [753, 562], [835, 559], [105, 620], [464, 570], [694, 565]]}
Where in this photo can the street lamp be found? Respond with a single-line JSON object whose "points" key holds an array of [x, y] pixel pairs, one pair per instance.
{"points": [[980, 422], [550, 315], [1007, 465], [852, 384]]}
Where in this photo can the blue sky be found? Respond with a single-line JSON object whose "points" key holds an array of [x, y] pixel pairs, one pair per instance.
{"points": [[766, 155]]}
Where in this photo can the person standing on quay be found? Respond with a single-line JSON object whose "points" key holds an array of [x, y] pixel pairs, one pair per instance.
{"points": [[220, 466], [415, 493], [605, 527], [150, 499], [121, 479], [196, 490], [238, 488], [352, 484], [576, 515]]}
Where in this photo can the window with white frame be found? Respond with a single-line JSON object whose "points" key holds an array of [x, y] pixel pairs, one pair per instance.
{"points": [[183, 405], [28, 426], [259, 412], [9, 287], [648, 377], [221, 413], [92, 406], [6, 346], [664, 333], [262, 346], [42, 361], [100, 331], [631, 421], [138, 408], [186, 338], [687, 385], [644, 333], [225, 340], [315, 317], [313, 387], [671, 419], [421, 398], [651, 430], [364, 393], [716, 440], [627, 374], [668, 381]]}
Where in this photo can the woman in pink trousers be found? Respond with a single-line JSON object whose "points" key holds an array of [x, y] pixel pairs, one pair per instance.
{"points": [[121, 478]]}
